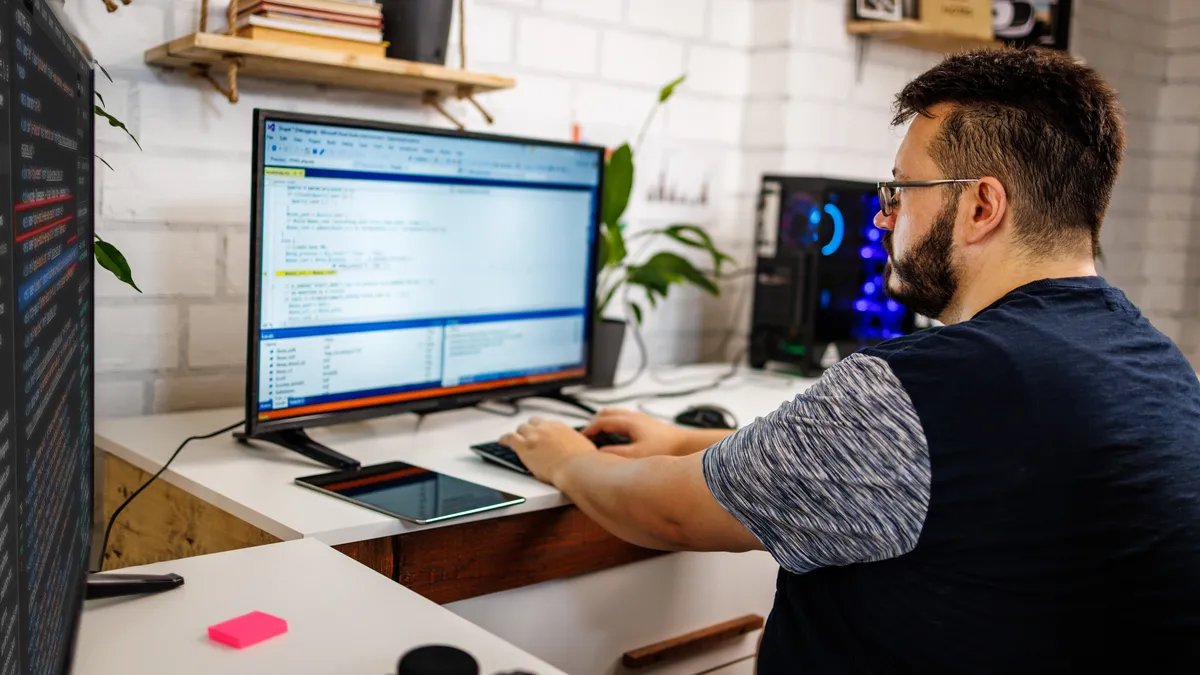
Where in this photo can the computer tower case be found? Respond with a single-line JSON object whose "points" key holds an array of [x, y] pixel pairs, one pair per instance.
{"points": [[819, 292]]}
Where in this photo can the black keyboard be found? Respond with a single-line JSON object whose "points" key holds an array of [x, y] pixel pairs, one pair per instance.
{"points": [[505, 457]]}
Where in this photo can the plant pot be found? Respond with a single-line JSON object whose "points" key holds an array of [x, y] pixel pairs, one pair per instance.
{"points": [[606, 353], [417, 30]]}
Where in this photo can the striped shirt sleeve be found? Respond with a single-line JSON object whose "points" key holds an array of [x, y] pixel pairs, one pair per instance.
{"points": [[837, 476]]}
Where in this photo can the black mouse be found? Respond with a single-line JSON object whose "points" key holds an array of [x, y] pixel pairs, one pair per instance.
{"points": [[707, 417]]}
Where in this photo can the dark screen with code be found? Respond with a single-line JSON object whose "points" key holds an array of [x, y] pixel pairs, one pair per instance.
{"points": [[46, 343]]}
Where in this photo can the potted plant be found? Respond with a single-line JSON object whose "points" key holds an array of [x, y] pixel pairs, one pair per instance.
{"points": [[107, 255], [654, 275]]}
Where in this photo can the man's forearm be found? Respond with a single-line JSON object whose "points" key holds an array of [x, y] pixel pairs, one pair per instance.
{"points": [[618, 493], [702, 439]]}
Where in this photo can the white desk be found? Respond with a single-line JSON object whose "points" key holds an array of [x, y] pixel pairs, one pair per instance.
{"points": [[580, 623], [342, 618], [256, 484]]}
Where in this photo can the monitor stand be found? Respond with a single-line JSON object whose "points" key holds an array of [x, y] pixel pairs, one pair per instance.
{"points": [[570, 400], [297, 440], [121, 585]]}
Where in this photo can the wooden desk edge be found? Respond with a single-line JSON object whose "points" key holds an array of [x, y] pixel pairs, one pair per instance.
{"points": [[447, 564]]}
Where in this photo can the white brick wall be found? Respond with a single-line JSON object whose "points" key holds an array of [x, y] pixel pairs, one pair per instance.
{"points": [[556, 46], [773, 87], [679, 18], [145, 337], [216, 335], [640, 59], [1151, 235], [593, 10]]}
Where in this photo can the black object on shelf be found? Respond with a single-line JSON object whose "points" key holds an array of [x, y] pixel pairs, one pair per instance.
{"points": [[417, 30], [121, 585], [297, 440], [437, 660]]}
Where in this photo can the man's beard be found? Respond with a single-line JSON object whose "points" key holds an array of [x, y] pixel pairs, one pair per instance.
{"points": [[927, 277]]}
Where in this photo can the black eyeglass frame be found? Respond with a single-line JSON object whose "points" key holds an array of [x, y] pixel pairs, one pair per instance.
{"points": [[889, 191]]}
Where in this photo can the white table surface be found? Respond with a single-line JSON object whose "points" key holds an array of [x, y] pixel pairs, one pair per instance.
{"points": [[342, 618], [256, 483]]}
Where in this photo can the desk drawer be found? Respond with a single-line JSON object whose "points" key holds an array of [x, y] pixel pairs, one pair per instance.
{"points": [[585, 624]]}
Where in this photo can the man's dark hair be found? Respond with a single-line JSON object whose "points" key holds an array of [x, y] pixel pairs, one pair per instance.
{"points": [[1049, 128]]}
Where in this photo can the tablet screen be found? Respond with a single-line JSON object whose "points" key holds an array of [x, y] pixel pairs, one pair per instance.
{"points": [[410, 492]]}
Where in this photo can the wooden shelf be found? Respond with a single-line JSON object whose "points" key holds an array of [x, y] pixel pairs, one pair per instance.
{"points": [[266, 60], [920, 35]]}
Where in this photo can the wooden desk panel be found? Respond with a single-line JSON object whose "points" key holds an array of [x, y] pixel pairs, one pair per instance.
{"points": [[445, 565], [165, 522]]}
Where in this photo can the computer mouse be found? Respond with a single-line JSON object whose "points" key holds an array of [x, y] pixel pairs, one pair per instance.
{"points": [[707, 417]]}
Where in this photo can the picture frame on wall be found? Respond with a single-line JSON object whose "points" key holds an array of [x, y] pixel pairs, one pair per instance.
{"points": [[879, 10], [1033, 23]]}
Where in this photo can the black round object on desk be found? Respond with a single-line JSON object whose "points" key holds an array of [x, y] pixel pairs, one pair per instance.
{"points": [[437, 660]]}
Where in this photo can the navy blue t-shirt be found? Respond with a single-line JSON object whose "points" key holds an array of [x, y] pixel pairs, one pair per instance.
{"points": [[1016, 493]]}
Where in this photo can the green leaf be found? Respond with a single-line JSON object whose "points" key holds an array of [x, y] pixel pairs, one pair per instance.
{"points": [[603, 305], [112, 260], [618, 184], [103, 70], [669, 90], [696, 237], [663, 270], [101, 98], [105, 163], [114, 122], [637, 312], [614, 245]]}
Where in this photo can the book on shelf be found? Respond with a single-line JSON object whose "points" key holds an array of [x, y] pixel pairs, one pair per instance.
{"points": [[344, 7], [298, 22], [287, 37], [281, 12], [328, 29]]}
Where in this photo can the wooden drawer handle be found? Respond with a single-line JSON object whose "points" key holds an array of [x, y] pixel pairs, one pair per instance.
{"points": [[696, 641]]}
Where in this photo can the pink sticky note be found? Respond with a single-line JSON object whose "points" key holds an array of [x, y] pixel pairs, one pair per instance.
{"points": [[248, 629]]}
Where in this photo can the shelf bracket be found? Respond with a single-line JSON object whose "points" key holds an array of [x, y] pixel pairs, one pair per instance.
{"points": [[434, 100], [468, 93], [230, 88]]}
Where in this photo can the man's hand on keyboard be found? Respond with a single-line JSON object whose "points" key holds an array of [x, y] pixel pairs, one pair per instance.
{"points": [[545, 445], [648, 436]]}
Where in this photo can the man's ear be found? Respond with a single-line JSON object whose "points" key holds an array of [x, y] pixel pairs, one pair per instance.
{"points": [[988, 204]]}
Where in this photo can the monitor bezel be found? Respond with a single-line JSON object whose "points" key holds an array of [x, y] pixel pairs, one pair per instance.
{"points": [[255, 426]]}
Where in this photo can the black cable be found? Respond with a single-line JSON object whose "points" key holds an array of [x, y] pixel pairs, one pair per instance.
{"points": [[113, 518]]}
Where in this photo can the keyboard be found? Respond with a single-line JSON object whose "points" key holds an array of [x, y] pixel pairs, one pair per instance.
{"points": [[504, 456]]}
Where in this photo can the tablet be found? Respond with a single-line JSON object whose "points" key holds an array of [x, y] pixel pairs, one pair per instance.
{"points": [[409, 492]]}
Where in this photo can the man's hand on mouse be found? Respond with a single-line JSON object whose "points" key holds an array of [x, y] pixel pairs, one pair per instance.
{"points": [[545, 445], [648, 437]]}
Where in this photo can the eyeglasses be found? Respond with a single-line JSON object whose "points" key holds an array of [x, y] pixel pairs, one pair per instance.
{"points": [[889, 193]]}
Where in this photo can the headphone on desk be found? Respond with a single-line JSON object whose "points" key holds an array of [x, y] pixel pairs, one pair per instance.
{"points": [[441, 660]]}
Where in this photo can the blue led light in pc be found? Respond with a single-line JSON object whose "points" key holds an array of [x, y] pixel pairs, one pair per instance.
{"points": [[869, 288], [814, 216], [839, 230], [873, 234]]}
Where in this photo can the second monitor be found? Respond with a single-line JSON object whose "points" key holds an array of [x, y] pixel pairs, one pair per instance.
{"points": [[400, 268]]}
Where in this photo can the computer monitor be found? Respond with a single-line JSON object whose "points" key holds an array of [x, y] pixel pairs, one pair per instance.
{"points": [[46, 327], [398, 268]]}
